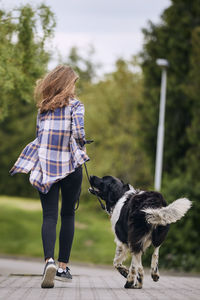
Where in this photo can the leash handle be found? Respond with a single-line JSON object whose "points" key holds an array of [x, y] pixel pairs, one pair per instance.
{"points": [[102, 205], [89, 141]]}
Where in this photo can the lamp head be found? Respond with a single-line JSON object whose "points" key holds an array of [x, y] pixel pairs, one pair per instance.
{"points": [[161, 62]]}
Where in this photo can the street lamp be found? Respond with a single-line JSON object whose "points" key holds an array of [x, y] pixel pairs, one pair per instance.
{"points": [[163, 63]]}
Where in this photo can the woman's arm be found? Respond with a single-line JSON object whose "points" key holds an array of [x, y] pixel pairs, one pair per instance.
{"points": [[78, 124]]}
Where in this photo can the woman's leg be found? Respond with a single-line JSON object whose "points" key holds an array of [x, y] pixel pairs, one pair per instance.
{"points": [[49, 203], [70, 189]]}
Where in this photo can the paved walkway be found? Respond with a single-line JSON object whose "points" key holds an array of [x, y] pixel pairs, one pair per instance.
{"points": [[21, 280]]}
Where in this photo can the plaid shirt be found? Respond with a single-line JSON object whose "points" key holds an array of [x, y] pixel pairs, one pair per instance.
{"points": [[58, 148]]}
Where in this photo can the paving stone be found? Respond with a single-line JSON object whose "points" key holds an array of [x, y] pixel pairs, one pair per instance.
{"points": [[90, 283]]}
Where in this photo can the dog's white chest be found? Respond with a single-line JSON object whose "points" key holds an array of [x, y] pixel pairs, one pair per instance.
{"points": [[116, 212], [118, 207]]}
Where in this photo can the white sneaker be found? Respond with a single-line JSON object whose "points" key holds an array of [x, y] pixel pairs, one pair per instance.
{"points": [[49, 274]]}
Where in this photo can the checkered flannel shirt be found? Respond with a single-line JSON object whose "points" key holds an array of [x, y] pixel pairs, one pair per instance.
{"points": [[58, 148]]}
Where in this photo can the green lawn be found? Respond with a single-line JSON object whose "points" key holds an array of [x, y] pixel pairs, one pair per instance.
{"points": [[20, 231], [20, 234]]}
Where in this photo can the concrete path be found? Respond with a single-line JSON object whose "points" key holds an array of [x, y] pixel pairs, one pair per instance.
{"points": [[20, 279]]}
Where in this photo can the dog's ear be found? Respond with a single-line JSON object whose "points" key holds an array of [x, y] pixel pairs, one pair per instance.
{"points": [[111, 197], [126, 186], [110, 202], [115, 192]]}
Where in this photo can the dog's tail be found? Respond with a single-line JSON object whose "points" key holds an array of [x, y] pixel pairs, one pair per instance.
{"points": [[169, 214]]}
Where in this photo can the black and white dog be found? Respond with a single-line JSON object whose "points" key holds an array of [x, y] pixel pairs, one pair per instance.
{"points": [[139, 219]]}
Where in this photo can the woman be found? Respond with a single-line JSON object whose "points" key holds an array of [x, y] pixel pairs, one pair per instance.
{"points": [[55, 160]]}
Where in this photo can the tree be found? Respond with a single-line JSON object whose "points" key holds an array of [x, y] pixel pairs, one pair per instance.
{"points": [[193, 91], [171, 39], [84, 66], [111, 119], [176, 38], [22, 61]]}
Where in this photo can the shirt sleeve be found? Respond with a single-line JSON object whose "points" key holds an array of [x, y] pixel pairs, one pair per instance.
{"points": [[78, 124]]}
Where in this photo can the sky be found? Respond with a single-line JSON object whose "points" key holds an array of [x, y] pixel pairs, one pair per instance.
{"points": [[113, 27]]}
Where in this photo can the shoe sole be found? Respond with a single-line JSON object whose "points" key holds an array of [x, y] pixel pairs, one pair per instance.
{"points": [[63, 279], [48, 279]]}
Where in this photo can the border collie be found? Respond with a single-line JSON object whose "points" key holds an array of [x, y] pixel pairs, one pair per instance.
{"points": [[139, 219]]}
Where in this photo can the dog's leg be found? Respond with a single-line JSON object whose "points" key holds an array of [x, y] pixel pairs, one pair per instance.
{"points": [[136, 273], [154, 264], [120, 256], [140, 273]]}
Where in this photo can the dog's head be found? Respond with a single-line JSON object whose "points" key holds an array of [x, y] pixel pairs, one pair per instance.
{"points": [[108, 188]]}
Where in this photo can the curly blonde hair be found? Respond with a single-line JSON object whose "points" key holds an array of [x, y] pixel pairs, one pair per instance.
{"points": [[55, 89]]}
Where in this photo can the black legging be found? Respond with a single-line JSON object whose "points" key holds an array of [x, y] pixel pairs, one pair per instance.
{"points": [[70, 190]]}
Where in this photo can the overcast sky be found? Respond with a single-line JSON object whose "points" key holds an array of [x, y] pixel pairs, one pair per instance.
{"points": [[113, 27]]}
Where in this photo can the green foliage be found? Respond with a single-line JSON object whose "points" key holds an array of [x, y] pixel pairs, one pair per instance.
{"points": [[22, 61], [111, 119], [171, 40], [22, 55], [181, 248], [193, 91], [176, 38], [84, 66]]}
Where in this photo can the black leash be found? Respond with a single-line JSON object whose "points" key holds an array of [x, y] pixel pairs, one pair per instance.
{"points": [[102, 205], [78, 201], [88, 177]]}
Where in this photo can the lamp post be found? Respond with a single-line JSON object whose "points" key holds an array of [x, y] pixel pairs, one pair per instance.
{"points": [[163, 63]]}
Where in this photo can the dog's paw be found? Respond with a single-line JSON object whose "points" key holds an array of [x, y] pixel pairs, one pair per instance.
{"points": [[123, 271], [128, 285], [137, 286], [155, 277]]}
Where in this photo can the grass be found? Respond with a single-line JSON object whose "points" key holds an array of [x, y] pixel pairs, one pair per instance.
{"points": [[20, 234], [20, 231]]}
